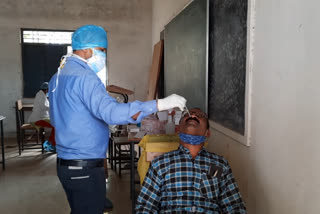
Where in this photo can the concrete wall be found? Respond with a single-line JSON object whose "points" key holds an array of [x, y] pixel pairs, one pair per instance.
{"points": [[278, 173], [285, 117], [162, 13], [128, 24]]}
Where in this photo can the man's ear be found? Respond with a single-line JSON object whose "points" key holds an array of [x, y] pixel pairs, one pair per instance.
{"points": [[84, 53], [208, 133], [87, 53], [90, 52]]}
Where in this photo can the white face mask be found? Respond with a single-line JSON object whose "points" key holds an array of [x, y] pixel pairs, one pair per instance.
{"points": [[98, 60], [97, 63], [103, 75]]}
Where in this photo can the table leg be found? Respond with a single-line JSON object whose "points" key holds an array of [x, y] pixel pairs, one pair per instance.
{"points": [[109, 151], [2, 147], [132, 187], [114, 156], [119, 160]]}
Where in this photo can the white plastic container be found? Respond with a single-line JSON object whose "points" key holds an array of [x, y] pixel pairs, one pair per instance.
{"points": [[170, 127], [162, 115], [177, 117]]}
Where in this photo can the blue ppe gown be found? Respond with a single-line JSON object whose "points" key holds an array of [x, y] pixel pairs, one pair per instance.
{"points": [[81, 109]]}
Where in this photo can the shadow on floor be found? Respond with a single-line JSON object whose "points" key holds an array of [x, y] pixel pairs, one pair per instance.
{"points": [[30, 185]]}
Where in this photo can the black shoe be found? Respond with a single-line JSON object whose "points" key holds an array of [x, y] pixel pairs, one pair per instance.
{"points": [[108, 205]]}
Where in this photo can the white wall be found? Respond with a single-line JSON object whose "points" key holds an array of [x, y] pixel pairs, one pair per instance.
{"points": [[278, 173], [285, 108], [162, 12], [128, 24]]}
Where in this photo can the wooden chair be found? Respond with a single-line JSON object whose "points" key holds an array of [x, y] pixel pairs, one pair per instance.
{"points": [[26, 132], [121, 153]]}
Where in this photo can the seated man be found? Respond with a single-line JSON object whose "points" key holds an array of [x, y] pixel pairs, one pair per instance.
{"points": [[40, 115], [190, 179]]}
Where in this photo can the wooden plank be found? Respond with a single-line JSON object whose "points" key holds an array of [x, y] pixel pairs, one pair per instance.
{"points": [[119, 90], [155, 70]]}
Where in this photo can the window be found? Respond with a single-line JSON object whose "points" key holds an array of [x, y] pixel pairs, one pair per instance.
{"points": [[41, 53], [46, 37]]}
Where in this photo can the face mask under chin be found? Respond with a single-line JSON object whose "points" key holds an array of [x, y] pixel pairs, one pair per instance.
{"points": [[192, 139]]}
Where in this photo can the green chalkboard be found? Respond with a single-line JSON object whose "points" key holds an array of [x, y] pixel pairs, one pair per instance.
{"points": [[185, 55]]}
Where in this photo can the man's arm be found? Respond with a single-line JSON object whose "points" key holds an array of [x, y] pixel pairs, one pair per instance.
{"points": [[41, 101], [150, 194], [135, 117], [45, 103], [166, 103], [230, 197], [105, 107]]}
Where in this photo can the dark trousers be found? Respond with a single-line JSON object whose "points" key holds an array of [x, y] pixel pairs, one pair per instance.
{"points": [[85, 188]]}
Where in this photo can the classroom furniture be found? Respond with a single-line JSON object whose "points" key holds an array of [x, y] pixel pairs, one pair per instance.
{"points": [[2, 143], [122, 91], [27, 107], [122, 153], [130, 159], [27, 132]]}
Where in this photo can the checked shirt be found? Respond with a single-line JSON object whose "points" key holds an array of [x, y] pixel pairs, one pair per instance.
{"points": [[176, 183]]}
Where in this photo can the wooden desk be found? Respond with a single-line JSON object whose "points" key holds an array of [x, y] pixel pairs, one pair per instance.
{"points": [[118, 90], [27, 107], [2, 143]]}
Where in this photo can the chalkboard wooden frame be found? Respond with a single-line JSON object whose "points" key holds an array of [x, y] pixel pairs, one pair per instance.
{"points": [[246, 138]]}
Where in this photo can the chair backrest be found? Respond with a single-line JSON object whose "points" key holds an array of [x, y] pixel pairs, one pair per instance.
{"points": [[19, 105], [19, 114], [22, 128]]}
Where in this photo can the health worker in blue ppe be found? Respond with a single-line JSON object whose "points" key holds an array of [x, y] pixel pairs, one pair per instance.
{"points": [[81, 110]]}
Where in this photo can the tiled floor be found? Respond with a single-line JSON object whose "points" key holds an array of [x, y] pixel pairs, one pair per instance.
{"points": [[30, 185]]}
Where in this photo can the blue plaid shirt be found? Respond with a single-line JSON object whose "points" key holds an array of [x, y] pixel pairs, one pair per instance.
{"points": [[176, 183]]}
